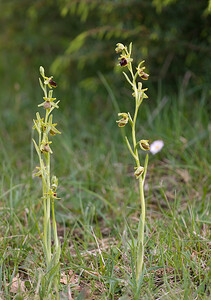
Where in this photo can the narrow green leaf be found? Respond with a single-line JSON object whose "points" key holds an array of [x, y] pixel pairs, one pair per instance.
{"points": [[145, 167], [36, 147], [127, 78], [130, 149]]}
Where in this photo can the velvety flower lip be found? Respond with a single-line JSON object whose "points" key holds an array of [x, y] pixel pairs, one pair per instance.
{"points": [[140, 71], [156, 146], [45, 148], [143, 75], [123, 62], [47, 104], [52, 83]]}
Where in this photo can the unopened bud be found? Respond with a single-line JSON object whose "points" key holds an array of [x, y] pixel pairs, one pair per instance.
{"points": [[54, 184], [42, 71], [120, 47]]}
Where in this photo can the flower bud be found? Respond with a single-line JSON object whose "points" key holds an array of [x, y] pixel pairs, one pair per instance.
{"points": [[139, 171], [42, 71], [120, 47], [54, 184], [144, 144], [122, 122]]}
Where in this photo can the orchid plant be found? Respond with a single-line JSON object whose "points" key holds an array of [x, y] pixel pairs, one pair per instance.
{"points": [[46, 128], [125, 60]]}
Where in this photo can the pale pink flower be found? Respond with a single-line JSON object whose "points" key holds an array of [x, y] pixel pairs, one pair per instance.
{"points": [[156, 146]]}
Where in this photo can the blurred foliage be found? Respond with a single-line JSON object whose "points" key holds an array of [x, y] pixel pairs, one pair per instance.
{"points": [[77, 38]]}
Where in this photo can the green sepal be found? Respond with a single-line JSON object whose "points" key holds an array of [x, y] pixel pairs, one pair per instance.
{"points": [[50, 93], [42, 86], [130, 119]]}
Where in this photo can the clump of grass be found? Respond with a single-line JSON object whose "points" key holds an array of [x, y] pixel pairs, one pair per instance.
{"points": [[46, 128]]}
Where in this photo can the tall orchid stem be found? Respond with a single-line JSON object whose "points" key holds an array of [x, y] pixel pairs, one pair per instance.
{"points": [[45, 126], [141, 225], [140, 244], [140, 241]]}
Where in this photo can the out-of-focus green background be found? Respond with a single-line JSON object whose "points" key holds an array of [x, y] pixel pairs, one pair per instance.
{"points": [[76, 39]]}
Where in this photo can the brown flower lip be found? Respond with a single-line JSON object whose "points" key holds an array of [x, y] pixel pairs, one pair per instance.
{"points": [[139, 172], [144, 144], [46, 148], [52, 83], [144, 75], [123, 62], [52, 132], [47, 105], [122, 124]]}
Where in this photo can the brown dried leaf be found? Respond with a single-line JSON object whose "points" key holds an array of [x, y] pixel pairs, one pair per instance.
{"points": [[184, 174], [17, 285], [70, 278]]}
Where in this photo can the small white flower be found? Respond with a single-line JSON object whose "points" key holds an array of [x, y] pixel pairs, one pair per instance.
{"points": [[156, 146]]}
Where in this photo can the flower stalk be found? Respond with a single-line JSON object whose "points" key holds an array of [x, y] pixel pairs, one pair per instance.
{"points": [[45, 128], [125, 60]]}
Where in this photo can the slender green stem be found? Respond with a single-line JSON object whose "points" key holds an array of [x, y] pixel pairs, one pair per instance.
{"points": [[47, 202], [140, 244], [140, 241], [134, 135], [130, 149], [48, 206], [54, 226]]}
